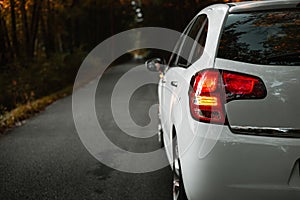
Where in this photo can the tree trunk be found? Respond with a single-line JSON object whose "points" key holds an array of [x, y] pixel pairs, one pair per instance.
{"points": [[25, 28], [14, 28], [36, 12], [48, 32], [2, 46], [51, 28]]}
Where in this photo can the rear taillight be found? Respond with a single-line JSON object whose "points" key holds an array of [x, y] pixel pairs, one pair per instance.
{"points": [[211, 89], [242, 86]]}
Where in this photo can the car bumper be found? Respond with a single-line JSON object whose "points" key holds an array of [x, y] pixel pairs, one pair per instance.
{"points": [[240, 167]]}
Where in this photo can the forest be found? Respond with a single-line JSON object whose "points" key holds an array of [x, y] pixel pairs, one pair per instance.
{"points": [[43, 42]]}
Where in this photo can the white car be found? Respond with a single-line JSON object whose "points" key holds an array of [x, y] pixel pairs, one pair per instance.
{"points": [[230, 103]]}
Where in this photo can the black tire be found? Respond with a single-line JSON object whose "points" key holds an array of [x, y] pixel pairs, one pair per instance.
{"points": [[162, 144], [161, 136], [178, 186]]}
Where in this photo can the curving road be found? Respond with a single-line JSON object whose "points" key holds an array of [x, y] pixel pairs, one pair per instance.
{"points": [[45, 159]]}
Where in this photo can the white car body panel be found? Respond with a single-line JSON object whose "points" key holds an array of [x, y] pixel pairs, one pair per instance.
{"points": [[262, 170], [183, 78]]}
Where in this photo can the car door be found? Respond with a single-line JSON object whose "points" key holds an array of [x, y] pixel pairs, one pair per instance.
{"points": [[174, 78], [164, 90]]}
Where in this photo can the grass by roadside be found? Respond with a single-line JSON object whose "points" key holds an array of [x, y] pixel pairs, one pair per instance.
{"points": [[17, 116]]}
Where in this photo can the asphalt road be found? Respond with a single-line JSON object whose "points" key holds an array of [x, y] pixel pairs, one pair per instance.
{"points": [[45, 159]]}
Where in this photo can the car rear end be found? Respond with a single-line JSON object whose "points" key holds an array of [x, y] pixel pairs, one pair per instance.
{"points": [[250, 106]]}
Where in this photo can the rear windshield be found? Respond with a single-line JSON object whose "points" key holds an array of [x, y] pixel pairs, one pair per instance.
{"points": [[267, 38]]}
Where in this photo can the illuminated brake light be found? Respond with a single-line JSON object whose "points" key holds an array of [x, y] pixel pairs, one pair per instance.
{"points": [[211, 89]]}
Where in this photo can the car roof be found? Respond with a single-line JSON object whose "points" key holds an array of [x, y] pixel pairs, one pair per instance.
{"points": [[248, 6]]}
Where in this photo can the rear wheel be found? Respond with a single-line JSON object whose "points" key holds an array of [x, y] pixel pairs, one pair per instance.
{"points": [[178, 188]]}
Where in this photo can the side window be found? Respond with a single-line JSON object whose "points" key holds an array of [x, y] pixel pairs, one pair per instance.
{"points": [[174, 58], [198, 47], [189, 44]]}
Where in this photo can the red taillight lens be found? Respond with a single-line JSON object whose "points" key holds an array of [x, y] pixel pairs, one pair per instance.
{"points": [[206, 81], [206, 99], [238, 84], [242, 86], [211, 89]]}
